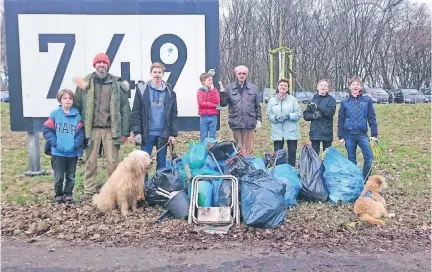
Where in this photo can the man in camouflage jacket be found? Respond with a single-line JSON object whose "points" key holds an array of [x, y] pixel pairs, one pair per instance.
{"points": [[102, 100]]}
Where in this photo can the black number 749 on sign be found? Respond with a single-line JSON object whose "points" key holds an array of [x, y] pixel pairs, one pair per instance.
{"points": [[175, 68], [69, 41]]}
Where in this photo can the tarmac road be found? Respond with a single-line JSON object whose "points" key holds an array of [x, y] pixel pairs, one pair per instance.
{"points": [[57, 256]]}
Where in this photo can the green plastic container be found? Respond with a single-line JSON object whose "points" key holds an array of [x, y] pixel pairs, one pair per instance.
{"points": [[205, 191]]}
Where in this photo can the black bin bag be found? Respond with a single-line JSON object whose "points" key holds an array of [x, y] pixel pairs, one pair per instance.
{"points": [[271, 160], [238, 166], [262, 200], [311, 176], [167, 179]]}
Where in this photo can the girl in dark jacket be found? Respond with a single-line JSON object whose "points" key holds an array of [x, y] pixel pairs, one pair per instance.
{"points": [[320, 112]]}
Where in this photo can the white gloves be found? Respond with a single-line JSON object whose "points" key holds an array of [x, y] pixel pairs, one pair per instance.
{"points": [[258, 125]]}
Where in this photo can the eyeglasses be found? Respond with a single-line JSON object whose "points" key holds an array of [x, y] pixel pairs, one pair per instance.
{"points": [[240, 73]]}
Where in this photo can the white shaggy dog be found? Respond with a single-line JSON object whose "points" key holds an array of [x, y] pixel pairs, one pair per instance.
{"points": [[124, 185]]}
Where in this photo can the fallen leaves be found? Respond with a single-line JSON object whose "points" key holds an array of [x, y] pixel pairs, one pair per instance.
{"points": [[426, 227], [333, 227]]}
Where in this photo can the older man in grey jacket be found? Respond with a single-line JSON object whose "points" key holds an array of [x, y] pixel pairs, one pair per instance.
{"points": [[244, 110]]}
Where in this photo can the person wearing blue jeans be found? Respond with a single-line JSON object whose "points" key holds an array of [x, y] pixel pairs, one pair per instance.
{"points": [[152, 141], [355, 113], [208, 127], [154, 114], [208, 107], [361, 140]]}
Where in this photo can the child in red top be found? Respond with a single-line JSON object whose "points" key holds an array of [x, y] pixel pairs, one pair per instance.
{"points": [[208, 105]]}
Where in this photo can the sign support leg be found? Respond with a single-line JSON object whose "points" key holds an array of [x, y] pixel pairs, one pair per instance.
{"points": [[34, 155]]}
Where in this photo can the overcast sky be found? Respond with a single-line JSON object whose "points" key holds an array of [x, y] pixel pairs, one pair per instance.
{"points": [[427, 2]]}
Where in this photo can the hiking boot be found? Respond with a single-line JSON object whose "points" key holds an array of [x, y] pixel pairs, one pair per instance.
{"points": [[59, 199], [69, 199]]}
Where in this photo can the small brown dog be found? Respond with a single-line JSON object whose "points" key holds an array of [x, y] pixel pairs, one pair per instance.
{"points": [[370, 206], [125, 184]]}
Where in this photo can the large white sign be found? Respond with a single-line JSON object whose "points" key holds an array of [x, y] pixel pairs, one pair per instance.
{"points": [[56, 48]]}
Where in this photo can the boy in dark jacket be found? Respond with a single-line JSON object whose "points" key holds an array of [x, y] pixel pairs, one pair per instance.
{"points": [[154, 115], [355, 113], [208, 104], [320, 112], [64, 134]]}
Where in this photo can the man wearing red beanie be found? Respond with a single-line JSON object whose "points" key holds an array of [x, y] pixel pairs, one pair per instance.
{"points": [[102, 100]]}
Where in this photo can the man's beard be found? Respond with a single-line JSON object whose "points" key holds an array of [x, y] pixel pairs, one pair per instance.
{"points": [[101, 73]]}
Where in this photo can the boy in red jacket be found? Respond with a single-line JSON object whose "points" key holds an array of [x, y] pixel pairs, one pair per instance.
{"points": [[208, 107]]}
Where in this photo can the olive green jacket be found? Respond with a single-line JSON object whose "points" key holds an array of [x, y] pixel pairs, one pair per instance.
{"points": [[119, 108]]}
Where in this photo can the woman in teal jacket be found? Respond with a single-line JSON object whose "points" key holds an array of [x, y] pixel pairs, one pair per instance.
{"points": [[284, 113]]}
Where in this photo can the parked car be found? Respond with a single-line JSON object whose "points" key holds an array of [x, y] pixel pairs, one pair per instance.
{"points": [[4, 96], [427, 93], [266, 94], [303, 97], [338, 95], [378, 95], [392, 94], [409, 96]]}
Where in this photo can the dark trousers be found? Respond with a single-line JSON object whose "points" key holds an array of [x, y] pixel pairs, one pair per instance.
{"points": [[64, 167], [292, 149], [316, 145]]}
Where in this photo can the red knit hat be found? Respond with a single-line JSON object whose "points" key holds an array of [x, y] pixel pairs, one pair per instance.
{"points": [[101, 57]]}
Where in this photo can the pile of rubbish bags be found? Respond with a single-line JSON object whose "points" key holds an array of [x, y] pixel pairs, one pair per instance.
{"points": [[268, 186]]}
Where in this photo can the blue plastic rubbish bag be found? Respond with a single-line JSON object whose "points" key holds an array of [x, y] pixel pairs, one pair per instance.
{"points": [[211, 164], [208, 141], [289, 175], [196, 155], [342, 178], [262, 200], [221, 193], [177, 164], [257, 162], [169, 165], [286, 171], [204, 171], [291, 192]]}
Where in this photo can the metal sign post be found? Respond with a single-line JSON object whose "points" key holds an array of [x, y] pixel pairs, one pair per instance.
{"points": [[34, 155]]}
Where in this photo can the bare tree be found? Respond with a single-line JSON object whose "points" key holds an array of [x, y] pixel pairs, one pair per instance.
{"points": [[386, 42]]}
